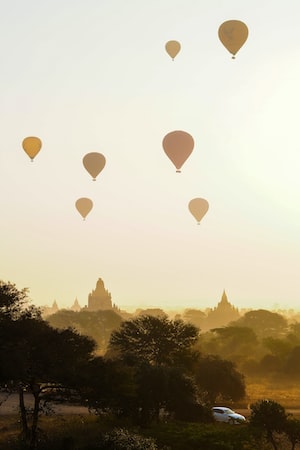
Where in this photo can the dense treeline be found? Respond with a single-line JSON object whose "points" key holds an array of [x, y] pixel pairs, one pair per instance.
{"points": [[154, 371], [260, 343], [96, 324]]}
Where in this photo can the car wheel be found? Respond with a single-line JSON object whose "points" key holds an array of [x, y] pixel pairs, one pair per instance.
{"points": [[231, 421]]}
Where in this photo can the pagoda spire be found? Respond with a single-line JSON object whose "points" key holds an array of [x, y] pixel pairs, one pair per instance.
{"points": [[224, 298]]}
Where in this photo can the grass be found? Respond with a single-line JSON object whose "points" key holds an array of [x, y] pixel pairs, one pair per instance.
{"points": [[88, 428], [287, 393]]}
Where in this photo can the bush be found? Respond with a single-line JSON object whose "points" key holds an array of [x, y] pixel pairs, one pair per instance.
{"points": [[122, 439]]}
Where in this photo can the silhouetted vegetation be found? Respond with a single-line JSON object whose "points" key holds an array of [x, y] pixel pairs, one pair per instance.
{"points": [[152, 380], [96, 324], [35, 357]]}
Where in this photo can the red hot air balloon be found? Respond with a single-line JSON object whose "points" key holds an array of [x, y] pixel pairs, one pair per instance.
{"points": [[178, 145]]}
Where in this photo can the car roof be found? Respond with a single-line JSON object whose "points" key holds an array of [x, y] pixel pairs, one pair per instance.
{"points": [[220, 407]]}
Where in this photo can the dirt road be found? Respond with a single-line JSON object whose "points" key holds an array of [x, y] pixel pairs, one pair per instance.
{"points": [[9, 405]]}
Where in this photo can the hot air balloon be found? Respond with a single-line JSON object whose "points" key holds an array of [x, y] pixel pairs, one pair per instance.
{"points": [[172, 48], [84, 206], [198, 208], [32, 145], [94, 163], [178, 145], [233, 35]]}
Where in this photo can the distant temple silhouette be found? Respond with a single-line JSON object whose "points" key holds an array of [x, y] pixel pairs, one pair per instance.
{"points": [[76, 307], [222, 314], [99, 298]]}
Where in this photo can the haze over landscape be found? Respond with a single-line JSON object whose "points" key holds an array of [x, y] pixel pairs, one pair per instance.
{"points": [[95, 77]]}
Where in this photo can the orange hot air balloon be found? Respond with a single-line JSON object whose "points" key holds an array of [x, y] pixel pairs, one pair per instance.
{"points": [[233, 35], [178, 145], [32, 145], [198, 208], [94, 163], [172, 48], [84, 206]]}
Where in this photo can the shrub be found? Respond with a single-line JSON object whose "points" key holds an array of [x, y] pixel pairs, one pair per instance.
{"points": [[122, 439]]}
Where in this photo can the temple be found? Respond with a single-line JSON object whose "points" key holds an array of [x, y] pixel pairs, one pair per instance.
{"points": [[99, 298], [223, 313]]}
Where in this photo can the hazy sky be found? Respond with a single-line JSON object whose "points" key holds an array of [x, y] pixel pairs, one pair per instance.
{"points": [[94, 76]]}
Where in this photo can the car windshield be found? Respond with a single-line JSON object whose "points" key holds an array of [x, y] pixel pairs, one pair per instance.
{"points": [[228, 411]]}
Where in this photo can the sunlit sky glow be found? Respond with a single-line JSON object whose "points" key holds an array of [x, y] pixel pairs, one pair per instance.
{"points": [[94, 76]]}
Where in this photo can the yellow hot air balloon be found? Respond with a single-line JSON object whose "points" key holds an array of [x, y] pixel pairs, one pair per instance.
{"points": [[233, 35], [178, 145], [94, 162], [84, 206], [198, 208], [32, 145], [172, 48]]}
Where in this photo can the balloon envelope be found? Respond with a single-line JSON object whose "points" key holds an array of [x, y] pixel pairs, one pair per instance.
{"points": [[172, 48], [32, 145], [84, 206], [94, 163], [233, 34], [178, 145], [198, 208]]}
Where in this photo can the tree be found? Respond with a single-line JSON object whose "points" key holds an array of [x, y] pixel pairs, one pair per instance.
{"points": [[232, 342], [159, 352], [218, 379], [292, 365], [35, 357], [270, 418], [14, 303], [264, 323], [96, 324], [156, 340], [292, 430], [194, 316]]}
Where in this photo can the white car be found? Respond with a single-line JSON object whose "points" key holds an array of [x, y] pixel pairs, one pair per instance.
{"points": [[224, 414]]}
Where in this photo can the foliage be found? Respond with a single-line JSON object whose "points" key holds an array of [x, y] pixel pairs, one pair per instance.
{"points": [[194, 316], [14, 303], [195, 436], [219, 380], [109, 386], [156, 340], [231, 342], [86, 433], [292, 430], [292, 366], [35, 357], [263, 322], [96, 324], [269, 417], [122, 439]]}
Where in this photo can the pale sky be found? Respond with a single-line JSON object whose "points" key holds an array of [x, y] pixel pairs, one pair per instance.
{"points": [[94, 76]]}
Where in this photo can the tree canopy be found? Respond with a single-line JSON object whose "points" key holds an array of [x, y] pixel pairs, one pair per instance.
{"points": [[264, 323], [156, 340]]}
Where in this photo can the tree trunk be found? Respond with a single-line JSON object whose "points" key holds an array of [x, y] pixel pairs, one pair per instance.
{"points": [[25, 430], [272, 440], [35, 416]]}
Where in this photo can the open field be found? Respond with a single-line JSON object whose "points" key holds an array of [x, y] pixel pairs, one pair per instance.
{"points": [[288, 395]]}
